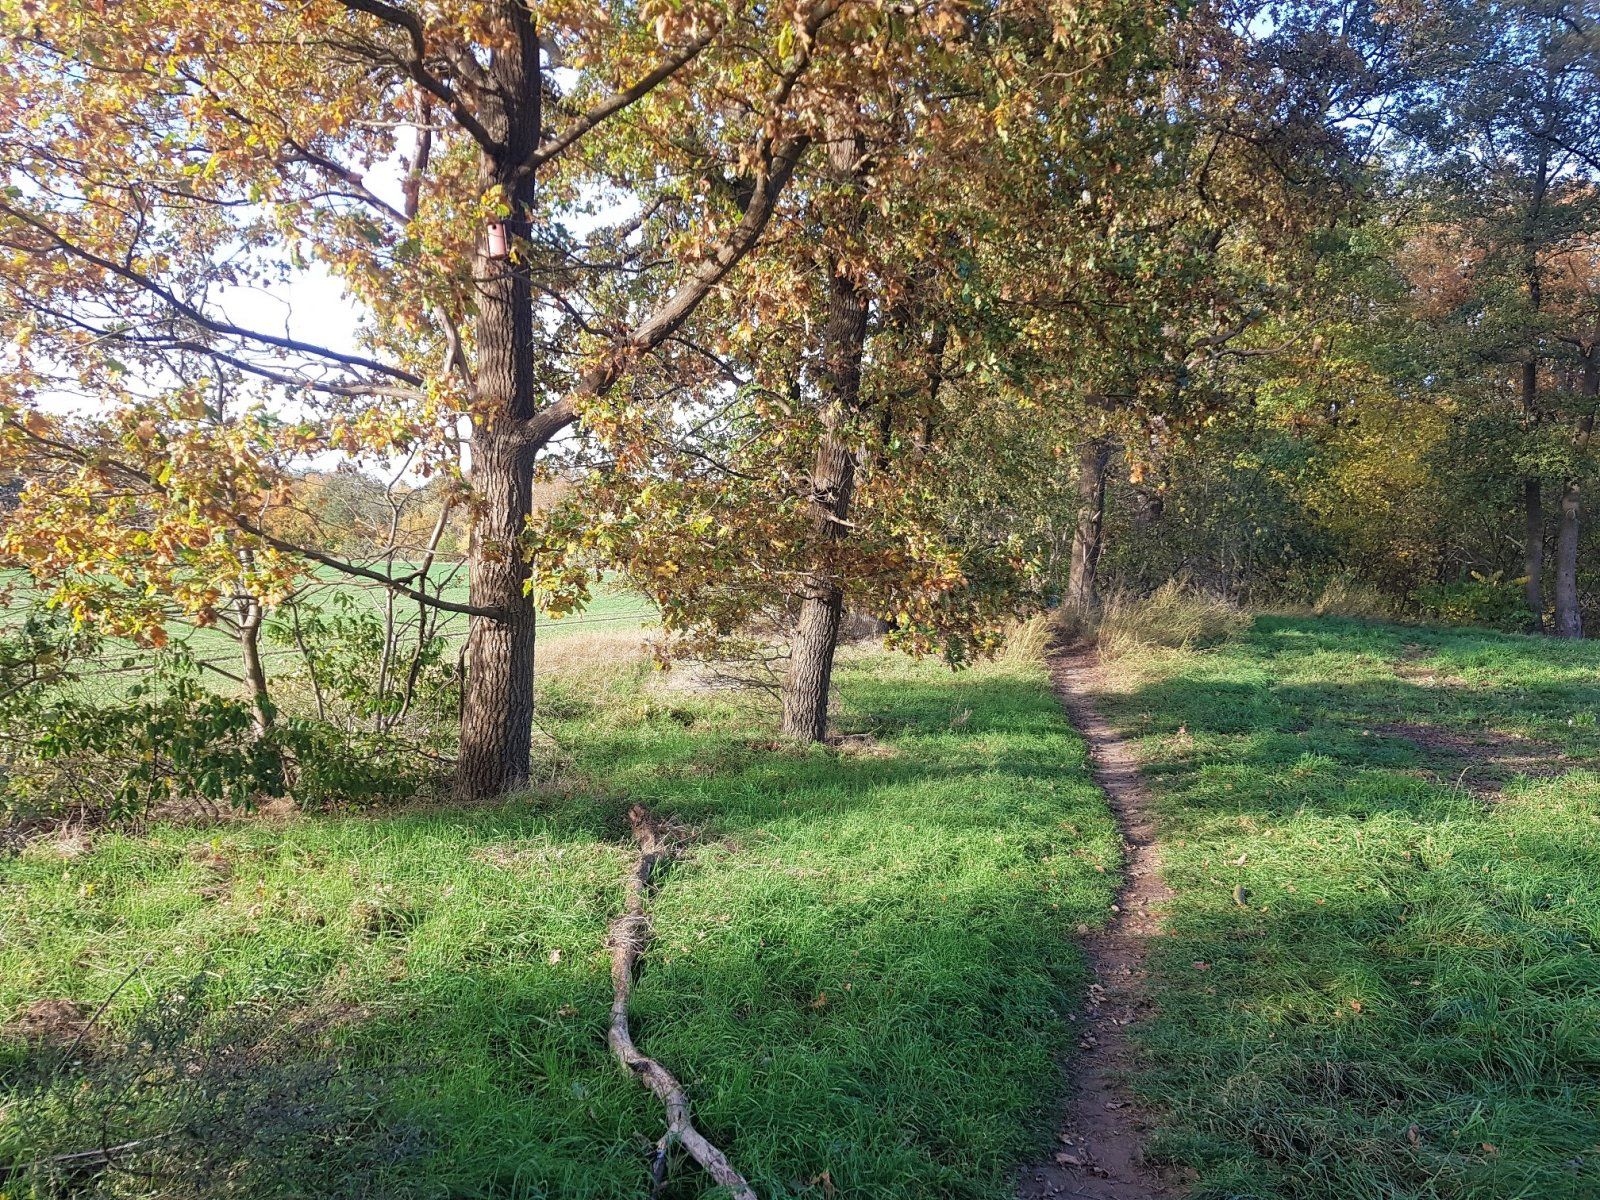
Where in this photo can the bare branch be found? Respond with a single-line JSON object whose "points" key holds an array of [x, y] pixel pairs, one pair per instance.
{"points": [[190, 312], [416, 68], [620, 100]]}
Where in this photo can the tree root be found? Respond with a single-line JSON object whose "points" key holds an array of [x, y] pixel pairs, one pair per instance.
{"points": [[629, 935]]}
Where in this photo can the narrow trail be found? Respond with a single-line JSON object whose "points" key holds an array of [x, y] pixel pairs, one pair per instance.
{"points": [[1099, 1152]]}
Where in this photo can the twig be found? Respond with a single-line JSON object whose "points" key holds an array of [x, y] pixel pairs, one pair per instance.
{"points": [[98, 1013], [102, 1156], [629, 935]]}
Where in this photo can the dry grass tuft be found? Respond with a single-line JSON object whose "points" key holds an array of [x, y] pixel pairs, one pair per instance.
{"points": [[1346, 597], [1027, 640], [1174, 615]]}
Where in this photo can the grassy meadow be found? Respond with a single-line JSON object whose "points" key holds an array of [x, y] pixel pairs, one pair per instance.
{"points": [[1406, 1003], [1379, 980], [612, 609], [860, 968]]}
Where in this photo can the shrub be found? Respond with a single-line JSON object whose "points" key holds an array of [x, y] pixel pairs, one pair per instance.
{"points": [[167, 739], [1482, 600], [362, 670], [70, 745]]}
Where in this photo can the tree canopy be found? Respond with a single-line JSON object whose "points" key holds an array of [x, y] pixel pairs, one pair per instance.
{"points": [[921, 312]]}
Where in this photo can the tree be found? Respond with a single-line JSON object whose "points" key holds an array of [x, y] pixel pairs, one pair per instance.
{"points": [[163, 165], [1508, 111], [819, 465], [1573, 275], [1044, 146], [820, 590]]}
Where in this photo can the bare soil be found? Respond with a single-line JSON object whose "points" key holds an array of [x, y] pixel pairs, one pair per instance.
{"points": [[1100, 1152], [53, 1022]]}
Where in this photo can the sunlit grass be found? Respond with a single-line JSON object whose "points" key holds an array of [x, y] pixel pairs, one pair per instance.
{"points": [[860, 968], [1409, 1003]]}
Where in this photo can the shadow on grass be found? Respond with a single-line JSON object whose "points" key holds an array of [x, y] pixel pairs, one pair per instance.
{"points": [[859, 971], [1407, 1001]]}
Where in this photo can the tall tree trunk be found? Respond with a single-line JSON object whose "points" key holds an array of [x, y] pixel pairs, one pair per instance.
{"points": [[497, 700], [1533, 551], [938, 340], [249, 615], [821, 592], [1532, 502], [1569, 617], [810, 674], [1094, 456], [1569, 621]]}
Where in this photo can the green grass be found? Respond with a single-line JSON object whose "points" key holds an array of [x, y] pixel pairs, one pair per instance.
{"points": [[611, 609], [859, 971], [1410, 1004]]}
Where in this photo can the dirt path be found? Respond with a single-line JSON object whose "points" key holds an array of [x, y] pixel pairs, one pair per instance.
{"points": [[1099, 1151]]}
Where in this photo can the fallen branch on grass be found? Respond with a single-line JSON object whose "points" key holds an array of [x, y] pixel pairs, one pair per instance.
{"points": [[629, 935], [103, 1156]]}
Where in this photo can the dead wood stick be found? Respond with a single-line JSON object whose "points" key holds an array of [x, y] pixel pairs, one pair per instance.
{"points": [[629, 935]]}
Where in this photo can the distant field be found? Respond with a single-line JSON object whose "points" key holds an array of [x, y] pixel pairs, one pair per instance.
{"points": [[612, 609]]}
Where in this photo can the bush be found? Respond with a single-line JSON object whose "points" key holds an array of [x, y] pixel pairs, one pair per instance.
{"points": [[361, 671], [1174, 615], [1482, 600], [166, 740], [71, 745]]}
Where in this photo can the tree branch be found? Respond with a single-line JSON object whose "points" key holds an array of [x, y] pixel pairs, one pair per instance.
{"points": [[620, 100], [244, 524], [629, 934], [188, 311], [416, 67]]}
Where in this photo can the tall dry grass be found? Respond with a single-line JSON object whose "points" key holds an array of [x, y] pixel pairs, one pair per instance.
{"points": [[1175, 615], [592, 650], [1027, 640], [1346, 597]]}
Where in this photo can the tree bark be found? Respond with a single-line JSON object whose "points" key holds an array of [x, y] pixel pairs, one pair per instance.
{"points": [[1569, 621], [255, 673], [821, 592], [1532, 501], [250, 616], [810, 674], [627, 938], [497, 700], [1094, 456], [1533, 551], [1569, 616]]}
